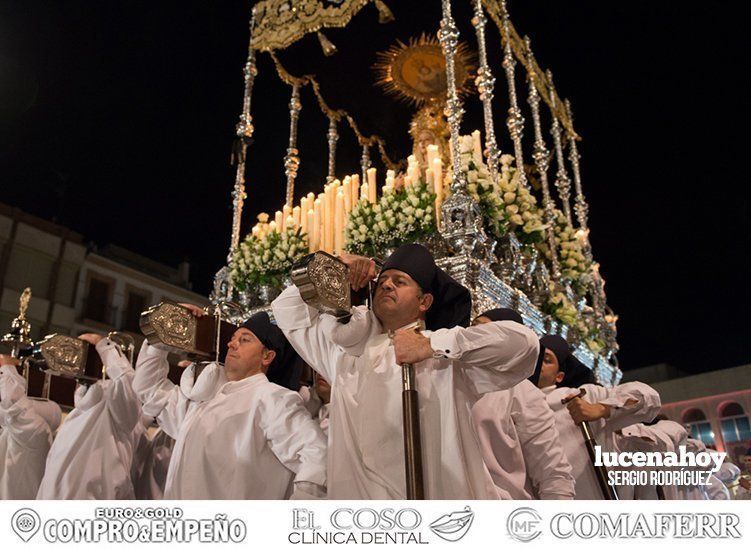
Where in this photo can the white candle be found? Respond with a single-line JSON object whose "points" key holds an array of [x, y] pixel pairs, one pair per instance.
{"points": [[372, 185], [364, 192], [476, 146], [347, 191], [355, 189], [272, 226], [278, 221], [317, 220], [432, 154], [309, 222], [338, 222], [296, 216]]}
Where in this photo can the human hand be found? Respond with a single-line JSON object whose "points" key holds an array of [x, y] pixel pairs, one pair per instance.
{"points": [[7, 360], [410, 347], [91, 338], [195, 310], [581, 410], [361, 270]]}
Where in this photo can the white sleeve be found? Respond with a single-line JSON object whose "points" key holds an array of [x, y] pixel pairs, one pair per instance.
{"points": [[122, 402], [294, 436], [547, 465], [630, 403], [24, 425], [492, 356], [161, 398], [308, 332]]}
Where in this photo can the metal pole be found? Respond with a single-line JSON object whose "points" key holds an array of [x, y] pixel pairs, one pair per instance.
{"points": [[601, 472]]}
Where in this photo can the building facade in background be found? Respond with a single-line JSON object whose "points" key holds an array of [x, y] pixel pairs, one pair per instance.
{"points": [[75, 288], [714, 406]]}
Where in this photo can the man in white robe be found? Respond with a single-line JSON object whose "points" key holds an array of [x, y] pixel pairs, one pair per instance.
{"points": [[238, 435], [518, 436], [454, 366], [607, 409], [317, 401], [92, 455], [27, 426]]}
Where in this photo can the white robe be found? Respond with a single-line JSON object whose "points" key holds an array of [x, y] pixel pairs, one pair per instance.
{"points": [[246, 439], [26, 429], [366, 449], [153, 475], [621, 415], [520, 444], [92, 455]]}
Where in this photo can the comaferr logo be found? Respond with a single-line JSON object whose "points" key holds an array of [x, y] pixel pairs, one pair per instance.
{"points": [[524, 524], [640, 525], [453, 526]]}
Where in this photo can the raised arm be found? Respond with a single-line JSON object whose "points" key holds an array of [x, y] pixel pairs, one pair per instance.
{"points": [[160, 397], [613, 408], [547, 465], [122, 402], [492, 356], [18, 415], [296, 440], [308, 332]]}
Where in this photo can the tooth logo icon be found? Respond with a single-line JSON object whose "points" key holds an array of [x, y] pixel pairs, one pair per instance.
{"points": [[25, 523], [454, 526]]}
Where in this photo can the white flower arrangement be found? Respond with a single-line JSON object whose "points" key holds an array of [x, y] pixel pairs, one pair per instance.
{"points": [[268, 259], [506, 204], [399, 217], [560, 307], [574, 265]]}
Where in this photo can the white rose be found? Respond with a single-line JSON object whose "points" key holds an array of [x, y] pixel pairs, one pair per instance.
{"points": [[512, 209], [509, 197]]}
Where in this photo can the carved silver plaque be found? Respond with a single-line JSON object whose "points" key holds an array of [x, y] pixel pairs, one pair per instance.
{"points": [[64, 355], [169, 325], [323, 281]]}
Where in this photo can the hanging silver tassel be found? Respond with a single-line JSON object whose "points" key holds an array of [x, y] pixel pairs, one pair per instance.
{"points": [[385, 15], [327, 45]]}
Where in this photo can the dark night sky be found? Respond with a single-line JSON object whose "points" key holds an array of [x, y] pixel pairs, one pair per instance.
{"points": [[117, 118]]}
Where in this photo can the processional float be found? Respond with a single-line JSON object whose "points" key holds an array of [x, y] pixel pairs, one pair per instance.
{"points": [[496, 224], [56, 364]]}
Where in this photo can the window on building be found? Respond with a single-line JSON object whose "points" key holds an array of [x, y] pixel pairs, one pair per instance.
{"points": [[697, 426], [136, 304], [97, 305], [734, 423]]}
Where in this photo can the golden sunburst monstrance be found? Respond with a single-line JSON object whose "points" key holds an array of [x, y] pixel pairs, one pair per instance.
{"points": [[416, 72]]}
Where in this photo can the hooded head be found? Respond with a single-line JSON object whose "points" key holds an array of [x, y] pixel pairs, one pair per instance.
{"points": [[560, 367], [258, 346], [501, 314], [411, 287], [49, 411], [497, 315]]}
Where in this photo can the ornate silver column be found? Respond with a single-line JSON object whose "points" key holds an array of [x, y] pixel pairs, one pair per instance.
{"points": [[485, 82], [365, 162], [292, 158], [562, 181], [332, 136], [515, 120], [244, 131], [580, 204], [542, 162], [461, 220]]}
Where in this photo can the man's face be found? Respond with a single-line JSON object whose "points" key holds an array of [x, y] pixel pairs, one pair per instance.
{"points": [[399, 298], [246, 356], [481, 320], [322, 388], [550, 373]]}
